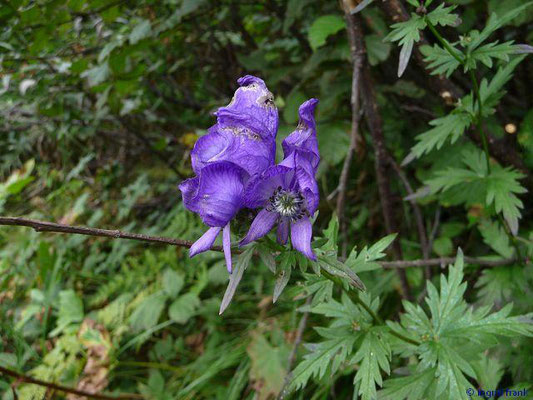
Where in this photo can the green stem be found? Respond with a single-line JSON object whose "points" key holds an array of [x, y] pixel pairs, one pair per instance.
{"points": [[444, 42], [354, 296], [479, 120]]}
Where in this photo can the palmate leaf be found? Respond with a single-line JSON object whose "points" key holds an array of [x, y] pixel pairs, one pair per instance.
{"points": [[450, 127], [373, 356], [439, 60], [325, 355], [486, 53], [452, 337], [412, 387], [502, 188], [493, 23], [406, 34]]}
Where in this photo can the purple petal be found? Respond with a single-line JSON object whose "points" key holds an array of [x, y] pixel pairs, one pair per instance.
{"points": [[283, 230], [253, 107], [189, 189], [261, 187], [237, 144], [226, 245], [220, 192], [205, 242], [309, 188], [210, 148], [301, 233], [303, 140], [261, 225]]}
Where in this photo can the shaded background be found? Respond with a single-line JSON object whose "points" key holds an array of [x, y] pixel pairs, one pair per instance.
{"points": [[100, 105]]}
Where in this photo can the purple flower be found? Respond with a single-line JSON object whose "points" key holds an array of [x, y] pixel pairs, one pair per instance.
{"points": [[245, 132], [301, 146], [288, 196], [288, 192], [216, 195]]}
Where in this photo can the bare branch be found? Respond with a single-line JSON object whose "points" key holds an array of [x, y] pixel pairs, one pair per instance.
{"points": [[55, 386], [44, 226]]}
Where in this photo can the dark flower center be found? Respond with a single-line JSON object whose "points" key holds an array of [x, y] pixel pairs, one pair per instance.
{"points": [[287, 203]]}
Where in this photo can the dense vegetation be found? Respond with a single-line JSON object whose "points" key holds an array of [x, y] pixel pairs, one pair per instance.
{"points": [[425, 131]]}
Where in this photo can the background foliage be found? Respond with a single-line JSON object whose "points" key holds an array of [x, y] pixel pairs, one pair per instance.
{"points": [[100, 104]]}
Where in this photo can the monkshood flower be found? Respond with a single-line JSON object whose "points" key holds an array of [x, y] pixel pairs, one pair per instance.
{"points": [[245, 132], [288, 192], [216, 195], [300, 148]]}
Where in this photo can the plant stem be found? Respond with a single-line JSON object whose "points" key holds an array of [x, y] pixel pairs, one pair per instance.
{"points": [[354, 296], [479, 118], [444, 42]]}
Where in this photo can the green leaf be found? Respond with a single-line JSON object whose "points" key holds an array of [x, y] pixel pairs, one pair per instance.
{"points": [[366, 259], [486, 53], [141, 31], [448, 128], [322, 28], [283, 274], [243, 260], [268, 365], [443, 15], [494, 236], [377, 49], [325, 355], [373, 356], [148, 312], [412, 387], [406, 34], [184, 307], [70, 311], [443, 246], [494, 22], [439, 60], [172, 282]]}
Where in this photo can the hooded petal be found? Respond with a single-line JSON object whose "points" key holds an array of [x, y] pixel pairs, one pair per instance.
{"points": [[302, 145], [220, 192], [226, 245], [309, 188], [261, 187], [189, 190], [283, 230], [236, 144], [210, 148], [301, 234], [252, 107], [205, 242], [261, 225]]}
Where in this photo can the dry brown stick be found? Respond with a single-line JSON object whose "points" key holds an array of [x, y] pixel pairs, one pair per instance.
{"points": [[444, 261], [356, 140], [292, 356], [422, 235], [375, 125], [44, 226], [65, 389]]}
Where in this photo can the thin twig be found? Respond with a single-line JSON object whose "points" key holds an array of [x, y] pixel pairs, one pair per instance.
{"points": [[443, 261], [292, 356], [44, 226], [55, 386], [357, 54], [422, 236], [375, 126]]}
